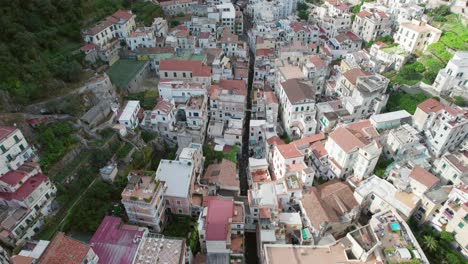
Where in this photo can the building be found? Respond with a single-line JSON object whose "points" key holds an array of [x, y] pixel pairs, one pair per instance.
{"points": [[391, 119], [297, 100], [421, 180], [343, 43], [371, 24], [452, 168], [444, 127], [178, 176], [190, 70], [224, 176], [329, 208], [416, 35], [15, 150], [128, 114], [63, 249], [455, 74], [143, 199], [221, 227], [26, 195], [452, 216], [117, 25], [377, 195], [228, 100], [402, 143], [388, 57], [353, 149], [141, 38], [173, 7], [286, 158], [116, 242]]}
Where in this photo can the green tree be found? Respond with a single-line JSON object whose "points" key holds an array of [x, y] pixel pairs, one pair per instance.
{"points": [[447, 236], [430, 243], [460, 101]]}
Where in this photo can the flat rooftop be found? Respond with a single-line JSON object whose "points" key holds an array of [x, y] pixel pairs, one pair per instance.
{"points": [[155, 249], [291, 254], [178, 176], [124, 71]]}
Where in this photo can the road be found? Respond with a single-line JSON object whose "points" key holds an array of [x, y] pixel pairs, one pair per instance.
{"points": [[250, 238]]}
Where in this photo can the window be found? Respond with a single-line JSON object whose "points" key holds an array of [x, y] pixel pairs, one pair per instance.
{"points": [[175, 74], [461, 225], [16, 138], [21, 147], [3, 148], [178, 202], [180, 211]]}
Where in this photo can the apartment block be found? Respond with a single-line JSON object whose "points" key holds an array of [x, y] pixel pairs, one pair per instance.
{"points": [[14, 149], [416, 35]]}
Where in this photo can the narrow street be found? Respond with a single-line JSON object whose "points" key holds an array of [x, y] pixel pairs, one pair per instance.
{"points": [[250, 238]]}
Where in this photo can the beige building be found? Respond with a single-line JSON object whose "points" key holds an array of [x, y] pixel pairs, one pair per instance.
{"points": [[416, 35], [371, 24], [14, 149]]}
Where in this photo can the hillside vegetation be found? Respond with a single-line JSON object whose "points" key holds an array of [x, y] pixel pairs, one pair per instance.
{"points": [[38, 39]]}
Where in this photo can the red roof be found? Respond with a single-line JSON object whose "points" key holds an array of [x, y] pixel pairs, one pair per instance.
{"points": [[164, 106], [217, 219], [263, 52], [431, 105], [196, 67], [5, 131], [308, 140], [236, 86], [26, 188], [289, 151], [352, 36], [275, 140], [353, 74], [122, 14], [316, 60], [63, 249], [13, 177], [424, 177], [363, 13], [88, 47], [204, 35], [113, 242]]}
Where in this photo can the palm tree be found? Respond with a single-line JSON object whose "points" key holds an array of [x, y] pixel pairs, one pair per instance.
{"points": [[430, 243]]}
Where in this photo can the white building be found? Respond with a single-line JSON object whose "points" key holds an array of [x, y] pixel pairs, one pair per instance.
{"points": [[353, 149], [371, 24], [389, 57], [297, 100], [128, 114], [452, 168], [141, 38], [453, 75], [444, 127], [228, 99], [117, 25], [416, 35], [185, 70], [14, 149]]}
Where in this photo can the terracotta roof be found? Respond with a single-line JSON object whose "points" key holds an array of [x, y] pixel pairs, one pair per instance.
{"points": [[423, 176], [431, 105], [223, 174], [298, 90], [204, 35], [122, 14], [308, 140], [382, 14], [164, 106], [5, 131], [316, 60], [17, 259], [275, 140], [217, 219], [363, 13], [236, 86], [13, 177], [353, 74], [297, 26], [289, 151], [88, 47], [196, 67], [264, 52], [265, 213], [26, 188], [328, 202], [63, 249], [270, 97], [380, 43], [318, 149], [354, 135]]}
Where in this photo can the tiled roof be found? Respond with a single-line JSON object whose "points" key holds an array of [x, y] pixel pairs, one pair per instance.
{"points": [[271, 97], [431, 105], [264, 52], [113, 242], [353, 74], [88, 47], [164, 106], [26, 188], [196, 67], [289, 151], [217, 219], [316, 60], [363, 13], [423, 176], [328, 202], [63, 249], [354, 135], [5, 131], [13, 177], [298, 90], [236, 86], [308, 140], [223, 174], [275, 140], [318, 149]]}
